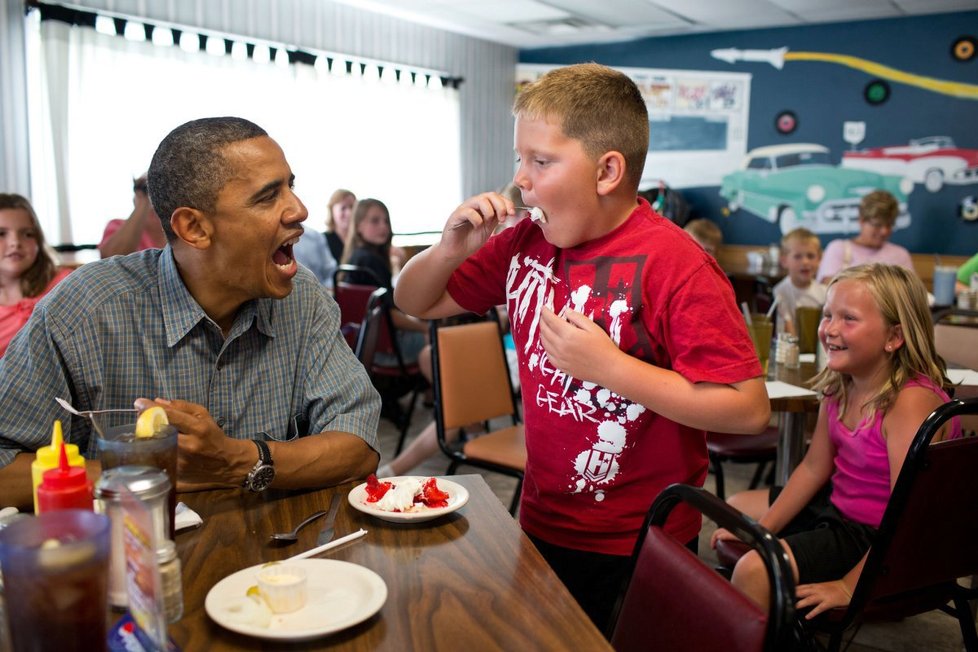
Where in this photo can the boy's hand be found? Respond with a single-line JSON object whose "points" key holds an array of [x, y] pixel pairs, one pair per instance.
{"points": [[471, 224], [576, 345]]}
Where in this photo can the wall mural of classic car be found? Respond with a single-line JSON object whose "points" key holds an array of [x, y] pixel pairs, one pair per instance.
{"points": [[796, 185], [932, 161]]}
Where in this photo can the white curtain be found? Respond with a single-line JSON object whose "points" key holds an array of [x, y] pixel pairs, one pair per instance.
{"points": [[101, 104]]}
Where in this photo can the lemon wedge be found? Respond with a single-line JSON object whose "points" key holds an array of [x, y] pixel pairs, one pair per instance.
{"points": [[150, 422]]}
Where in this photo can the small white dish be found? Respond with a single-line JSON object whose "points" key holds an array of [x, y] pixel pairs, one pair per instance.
{"points": [[457, 497], [340, 595], [284, 587]]}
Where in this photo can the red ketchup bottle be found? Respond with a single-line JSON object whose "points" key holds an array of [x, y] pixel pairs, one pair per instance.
{"points": [[66, 487]]}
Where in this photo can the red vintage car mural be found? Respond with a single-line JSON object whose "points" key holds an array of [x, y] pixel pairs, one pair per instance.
{"points": [[932, 161]]}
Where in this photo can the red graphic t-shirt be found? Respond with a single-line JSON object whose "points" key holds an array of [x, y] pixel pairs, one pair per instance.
{"points": [[596, 460]]}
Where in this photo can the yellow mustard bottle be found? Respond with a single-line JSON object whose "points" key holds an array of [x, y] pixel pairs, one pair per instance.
{"points": [[48, 458]]}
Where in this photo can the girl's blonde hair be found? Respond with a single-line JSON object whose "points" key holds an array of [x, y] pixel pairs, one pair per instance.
{"points": [[338, 195], [356, 241], [36, 278], [902, 299]]}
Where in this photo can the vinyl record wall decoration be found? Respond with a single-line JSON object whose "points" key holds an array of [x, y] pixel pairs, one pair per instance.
{"points": [[876, 92], [963, 48], [786, 122]]}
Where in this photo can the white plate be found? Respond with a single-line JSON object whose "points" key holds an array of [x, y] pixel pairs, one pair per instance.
{"points": [[457, 496], [341, 595]]}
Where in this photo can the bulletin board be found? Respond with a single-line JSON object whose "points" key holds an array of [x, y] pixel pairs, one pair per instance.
{"points": [[697, 122]]}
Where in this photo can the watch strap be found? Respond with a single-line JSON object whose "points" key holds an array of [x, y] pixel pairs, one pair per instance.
{"points": [[264, 454]]}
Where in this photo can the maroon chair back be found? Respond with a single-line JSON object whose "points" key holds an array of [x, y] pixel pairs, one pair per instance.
{"points": [[676, 602], [352, 300]]}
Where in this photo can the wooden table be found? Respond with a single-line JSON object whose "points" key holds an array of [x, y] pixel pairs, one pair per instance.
{"points": [[469, 581]]}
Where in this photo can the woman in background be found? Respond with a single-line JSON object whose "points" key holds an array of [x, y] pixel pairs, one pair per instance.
{"points": [[878, 212], [340, 210], [28, 269]]}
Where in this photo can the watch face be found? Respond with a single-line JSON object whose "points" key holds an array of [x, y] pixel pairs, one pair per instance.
{"points": [[262, 478]]}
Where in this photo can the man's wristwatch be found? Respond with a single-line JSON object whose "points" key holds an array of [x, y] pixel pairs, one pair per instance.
{"points": [[262, 474]]}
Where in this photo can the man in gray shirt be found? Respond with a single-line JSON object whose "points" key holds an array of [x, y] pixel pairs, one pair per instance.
{"points": [[221, 328]]}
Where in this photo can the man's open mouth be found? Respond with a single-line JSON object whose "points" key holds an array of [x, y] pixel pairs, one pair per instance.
{"points": [[283, 255]]}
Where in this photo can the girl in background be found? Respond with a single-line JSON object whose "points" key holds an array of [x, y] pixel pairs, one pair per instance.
{"points": [[882, 379], [369, 246], [340, 209], [28, 269]]}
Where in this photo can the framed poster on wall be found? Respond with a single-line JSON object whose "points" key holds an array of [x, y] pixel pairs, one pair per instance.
{"points": [[697, 122]]}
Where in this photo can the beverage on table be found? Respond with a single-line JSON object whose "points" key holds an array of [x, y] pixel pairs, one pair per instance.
{"points": [[149, 442], [761, 328], [57, 567], [806, 321]]}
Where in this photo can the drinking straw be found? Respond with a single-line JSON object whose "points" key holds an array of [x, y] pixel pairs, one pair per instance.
{"points": [[327, 546], [774, 305], [746, 311]]}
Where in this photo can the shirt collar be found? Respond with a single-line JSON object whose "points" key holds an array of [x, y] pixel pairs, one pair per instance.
{"points": [[181, 313]]}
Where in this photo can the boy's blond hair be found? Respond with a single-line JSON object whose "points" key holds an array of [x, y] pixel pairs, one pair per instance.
{"points": [[879, 205], [902, 299], [705, 231], [800, 235], [599, 106]]}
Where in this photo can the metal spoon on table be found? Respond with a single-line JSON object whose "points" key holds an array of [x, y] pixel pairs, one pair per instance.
{"points": [[90, 414], [294, 534]]}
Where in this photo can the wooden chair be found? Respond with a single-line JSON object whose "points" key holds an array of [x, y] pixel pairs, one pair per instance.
{"points": [[676, 602], [925, 542], [742, 449], [472, 385], [393, 382]]}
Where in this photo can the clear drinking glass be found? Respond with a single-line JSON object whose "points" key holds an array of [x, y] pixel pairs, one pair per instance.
{"points": [[121, 447]]}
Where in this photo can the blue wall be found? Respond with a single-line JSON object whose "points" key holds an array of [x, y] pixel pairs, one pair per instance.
{"points": [[823, 96]]}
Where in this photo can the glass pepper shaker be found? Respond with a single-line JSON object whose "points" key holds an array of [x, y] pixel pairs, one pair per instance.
{"points": [[170, 581]]}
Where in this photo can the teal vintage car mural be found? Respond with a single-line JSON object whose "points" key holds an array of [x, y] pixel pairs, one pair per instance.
{"points": [[796, 185]]}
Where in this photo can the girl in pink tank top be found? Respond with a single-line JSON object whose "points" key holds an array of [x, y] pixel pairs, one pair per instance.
{"points": [[882, 379]]}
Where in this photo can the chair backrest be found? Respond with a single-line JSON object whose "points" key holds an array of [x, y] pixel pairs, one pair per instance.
{"points": [[957, 344], [676, 602], [361, 275], [928, 533], [369, 331], [471, 374], [352, 300]]}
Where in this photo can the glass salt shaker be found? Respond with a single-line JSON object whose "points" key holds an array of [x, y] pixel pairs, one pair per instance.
{"points": [[170, 580], [791, 352]]}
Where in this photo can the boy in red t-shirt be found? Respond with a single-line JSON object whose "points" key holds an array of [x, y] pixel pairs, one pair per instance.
{"points": [[629, 340]]}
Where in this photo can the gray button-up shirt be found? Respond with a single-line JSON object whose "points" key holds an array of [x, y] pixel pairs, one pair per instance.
{"points": [[126, 327]]}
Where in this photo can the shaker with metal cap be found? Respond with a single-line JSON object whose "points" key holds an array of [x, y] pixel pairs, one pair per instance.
{"points": [[151, 486]]}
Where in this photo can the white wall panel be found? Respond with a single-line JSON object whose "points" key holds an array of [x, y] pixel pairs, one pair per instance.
{"points": [[14, 161]]}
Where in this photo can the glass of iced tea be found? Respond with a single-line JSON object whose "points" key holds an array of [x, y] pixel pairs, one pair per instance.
{"points": [[121, 447], [57, 565]]}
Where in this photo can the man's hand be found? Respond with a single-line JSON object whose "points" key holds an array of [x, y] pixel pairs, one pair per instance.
{"points": [[822, 597], [576, 345], [207, 458]]}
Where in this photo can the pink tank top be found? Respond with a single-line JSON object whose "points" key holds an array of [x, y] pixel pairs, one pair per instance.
{"points": [[861, 480]]}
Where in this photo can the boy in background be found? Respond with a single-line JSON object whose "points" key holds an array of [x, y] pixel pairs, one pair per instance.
{"points": [[800, 254], [706, 233], [629, 342]]}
